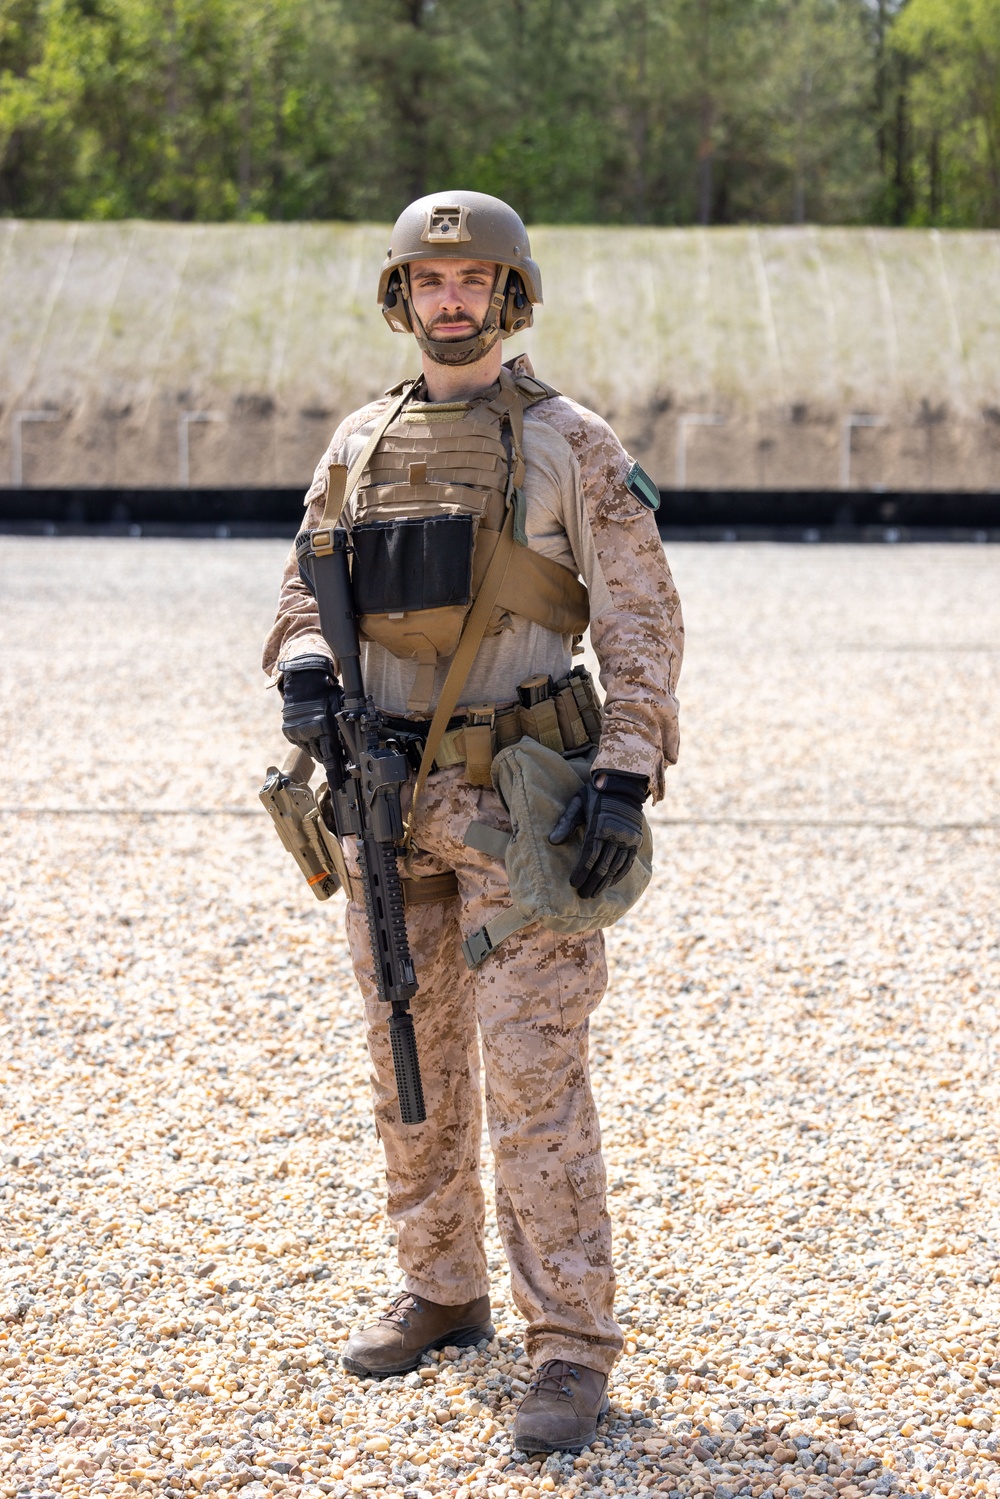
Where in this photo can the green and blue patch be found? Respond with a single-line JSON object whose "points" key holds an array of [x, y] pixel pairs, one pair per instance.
{"points": [[641, 485]]}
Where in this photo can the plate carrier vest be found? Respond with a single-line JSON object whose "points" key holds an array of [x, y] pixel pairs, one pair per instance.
{"points": [[436, 483]]}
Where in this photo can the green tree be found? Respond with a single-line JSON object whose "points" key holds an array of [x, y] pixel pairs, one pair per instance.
{"points": [[953, 47], [614, 111], [810, 112], [46, 54]]}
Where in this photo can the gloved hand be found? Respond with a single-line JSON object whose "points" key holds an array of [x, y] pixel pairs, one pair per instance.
{"points": [[311, 696], [609, 809]]}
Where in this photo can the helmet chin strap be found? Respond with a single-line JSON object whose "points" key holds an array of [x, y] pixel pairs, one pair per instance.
{"points": [[460, 350]]}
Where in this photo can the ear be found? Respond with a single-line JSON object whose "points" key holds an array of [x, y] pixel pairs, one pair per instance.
{"points": [[517, 310]]}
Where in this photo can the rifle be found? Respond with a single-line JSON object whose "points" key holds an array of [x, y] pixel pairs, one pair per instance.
{"points": [[365, 774]]}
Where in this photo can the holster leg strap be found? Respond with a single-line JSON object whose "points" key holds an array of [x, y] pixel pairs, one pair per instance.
{"points": [[416, 892], [493, 842], [486, 939]]}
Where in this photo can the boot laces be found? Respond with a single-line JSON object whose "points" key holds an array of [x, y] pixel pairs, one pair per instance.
{"points": [[397, 1310], [551, 1378]]}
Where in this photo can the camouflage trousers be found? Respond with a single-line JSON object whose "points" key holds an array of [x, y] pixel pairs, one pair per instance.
{"points": [[532, 1001]]}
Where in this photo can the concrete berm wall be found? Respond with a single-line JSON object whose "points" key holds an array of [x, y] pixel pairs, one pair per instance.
{"points": [[139, 354]]}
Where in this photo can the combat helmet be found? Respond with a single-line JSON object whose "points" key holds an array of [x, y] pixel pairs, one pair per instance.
{"points": [[461, 226]]}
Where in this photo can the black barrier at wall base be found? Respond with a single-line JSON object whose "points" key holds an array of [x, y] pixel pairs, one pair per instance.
{"points": [[278, 510], [693, 515], [829, 511]]}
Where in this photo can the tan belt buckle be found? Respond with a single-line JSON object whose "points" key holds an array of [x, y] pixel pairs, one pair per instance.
{"points": [[321, 544]]}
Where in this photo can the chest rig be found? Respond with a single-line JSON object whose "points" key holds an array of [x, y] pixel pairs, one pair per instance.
{"points": [[426, 519]]}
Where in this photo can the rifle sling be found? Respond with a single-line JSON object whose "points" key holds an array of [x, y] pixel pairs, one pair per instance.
{"points": [[465, 655], [341, 484]]}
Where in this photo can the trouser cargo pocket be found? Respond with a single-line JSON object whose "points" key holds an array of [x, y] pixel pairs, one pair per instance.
{"points": [[586, 1177]]}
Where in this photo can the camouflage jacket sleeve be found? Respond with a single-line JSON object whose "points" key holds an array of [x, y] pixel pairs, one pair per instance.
{"points": [[636, 627], [296, 631]]}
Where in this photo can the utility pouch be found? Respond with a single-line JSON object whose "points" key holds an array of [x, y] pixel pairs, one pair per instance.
{"points": [[478, 737], [536, 785], [412, 583], [538, 715], [416, 568]]}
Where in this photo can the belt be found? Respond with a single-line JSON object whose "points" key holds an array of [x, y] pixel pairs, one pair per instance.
{"points": [[565, 716], [411, 735]]}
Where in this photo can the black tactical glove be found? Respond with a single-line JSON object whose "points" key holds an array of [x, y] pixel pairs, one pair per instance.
{"points": [[312, 696], [609, 809]]}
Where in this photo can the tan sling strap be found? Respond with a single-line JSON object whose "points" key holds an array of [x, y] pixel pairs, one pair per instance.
{"points": [[494, 583], [537, 588], [341, 484], [465, 655], [511, 401]]}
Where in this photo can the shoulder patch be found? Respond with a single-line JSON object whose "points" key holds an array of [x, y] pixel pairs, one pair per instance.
{"points": [[638, 482]]}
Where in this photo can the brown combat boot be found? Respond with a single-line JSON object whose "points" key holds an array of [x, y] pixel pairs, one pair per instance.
{"points": [[410, 1328], [561, 1410]]}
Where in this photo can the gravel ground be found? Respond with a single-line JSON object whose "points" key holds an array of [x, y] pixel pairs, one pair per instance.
{"points": [[795, 1062]]}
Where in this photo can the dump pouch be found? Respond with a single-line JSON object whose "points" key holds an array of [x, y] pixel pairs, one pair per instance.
{"points": [[536, 784]]}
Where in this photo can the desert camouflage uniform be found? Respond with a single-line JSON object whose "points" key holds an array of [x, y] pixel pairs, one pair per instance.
{"points": [[533, 998]]}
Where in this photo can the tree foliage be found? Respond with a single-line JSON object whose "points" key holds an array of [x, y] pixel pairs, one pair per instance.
{"points": [[614, 111], [953, 48]]}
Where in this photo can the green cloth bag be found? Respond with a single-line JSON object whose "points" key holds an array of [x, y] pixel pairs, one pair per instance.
{"points": [[536, 784]]}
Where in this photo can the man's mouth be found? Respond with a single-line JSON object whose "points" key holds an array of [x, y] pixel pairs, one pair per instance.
{"points": [[452, 329]]}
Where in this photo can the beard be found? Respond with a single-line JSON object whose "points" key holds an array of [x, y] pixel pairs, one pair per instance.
{"points": [[438, 329], [456, 347]]}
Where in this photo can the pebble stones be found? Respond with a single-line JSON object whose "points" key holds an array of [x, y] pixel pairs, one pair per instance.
{"points": [[795, 1065]]}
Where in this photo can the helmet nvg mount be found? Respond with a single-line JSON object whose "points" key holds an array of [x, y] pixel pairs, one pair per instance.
{"points": [[461, 226]]}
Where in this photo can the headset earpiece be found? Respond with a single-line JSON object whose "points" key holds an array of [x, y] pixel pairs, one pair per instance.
{"points": [[517, 313], [395, 307]]}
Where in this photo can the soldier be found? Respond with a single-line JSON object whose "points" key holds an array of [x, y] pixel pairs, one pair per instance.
{"points": [[474, 437]]}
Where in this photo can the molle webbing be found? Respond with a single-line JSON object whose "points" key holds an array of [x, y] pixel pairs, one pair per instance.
{"points": [[449, 459], [455, 443]]}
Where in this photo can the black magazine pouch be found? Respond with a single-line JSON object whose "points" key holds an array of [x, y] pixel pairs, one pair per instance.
{"points": [[404, 566]]}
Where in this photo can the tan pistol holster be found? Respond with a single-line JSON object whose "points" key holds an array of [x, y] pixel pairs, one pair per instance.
{"points": [[298, 816], [290, 803]]}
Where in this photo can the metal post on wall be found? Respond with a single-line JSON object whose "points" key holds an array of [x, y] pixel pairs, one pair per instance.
{"points": [[692, 419], [184, 444], [850, 422], [16, 443]]}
